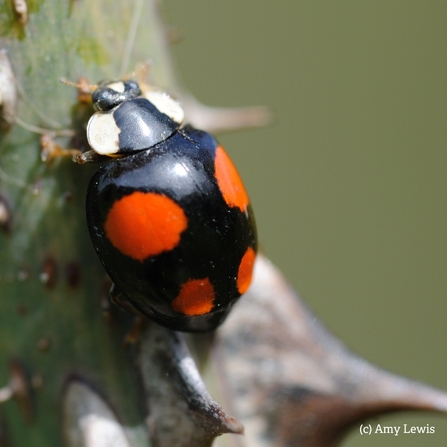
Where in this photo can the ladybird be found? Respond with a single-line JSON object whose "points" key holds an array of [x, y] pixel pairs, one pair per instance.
{"points": [[169, 216]]}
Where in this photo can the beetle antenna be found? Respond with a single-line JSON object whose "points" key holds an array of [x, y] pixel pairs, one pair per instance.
{"points": [[70, 83], [85, 89], [81, 85]]}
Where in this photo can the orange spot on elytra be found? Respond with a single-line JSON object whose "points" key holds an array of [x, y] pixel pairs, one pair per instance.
{"points": [[144, 224], [196, 297], [229, 181], [245, 271]]}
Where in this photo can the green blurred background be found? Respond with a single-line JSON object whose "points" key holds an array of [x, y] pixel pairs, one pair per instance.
{"points": [[349, 183]]}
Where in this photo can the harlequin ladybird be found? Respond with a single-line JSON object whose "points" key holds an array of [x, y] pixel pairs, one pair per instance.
{"points": [[169, 217]]}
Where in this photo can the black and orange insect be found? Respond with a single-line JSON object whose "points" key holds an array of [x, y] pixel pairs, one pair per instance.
{"points": [[169, 216]]}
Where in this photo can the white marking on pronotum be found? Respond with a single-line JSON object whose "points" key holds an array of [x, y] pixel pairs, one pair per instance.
{"points": [[103, 133], [166, 104]]}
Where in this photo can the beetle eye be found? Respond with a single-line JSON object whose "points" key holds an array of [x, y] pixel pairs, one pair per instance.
{"points": [[110, 94], [105, 99]]}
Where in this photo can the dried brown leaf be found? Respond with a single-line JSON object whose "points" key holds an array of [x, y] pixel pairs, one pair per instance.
{"points": [[291, 383]]}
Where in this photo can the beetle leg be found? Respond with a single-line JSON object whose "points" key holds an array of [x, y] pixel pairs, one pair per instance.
{"points": [[50, 150]]}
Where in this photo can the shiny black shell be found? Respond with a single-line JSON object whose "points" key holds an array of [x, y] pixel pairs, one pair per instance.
{"points": [[215, 240]]}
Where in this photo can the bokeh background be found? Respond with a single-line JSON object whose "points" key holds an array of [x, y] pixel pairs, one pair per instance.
{"points": [[349, 183]]}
